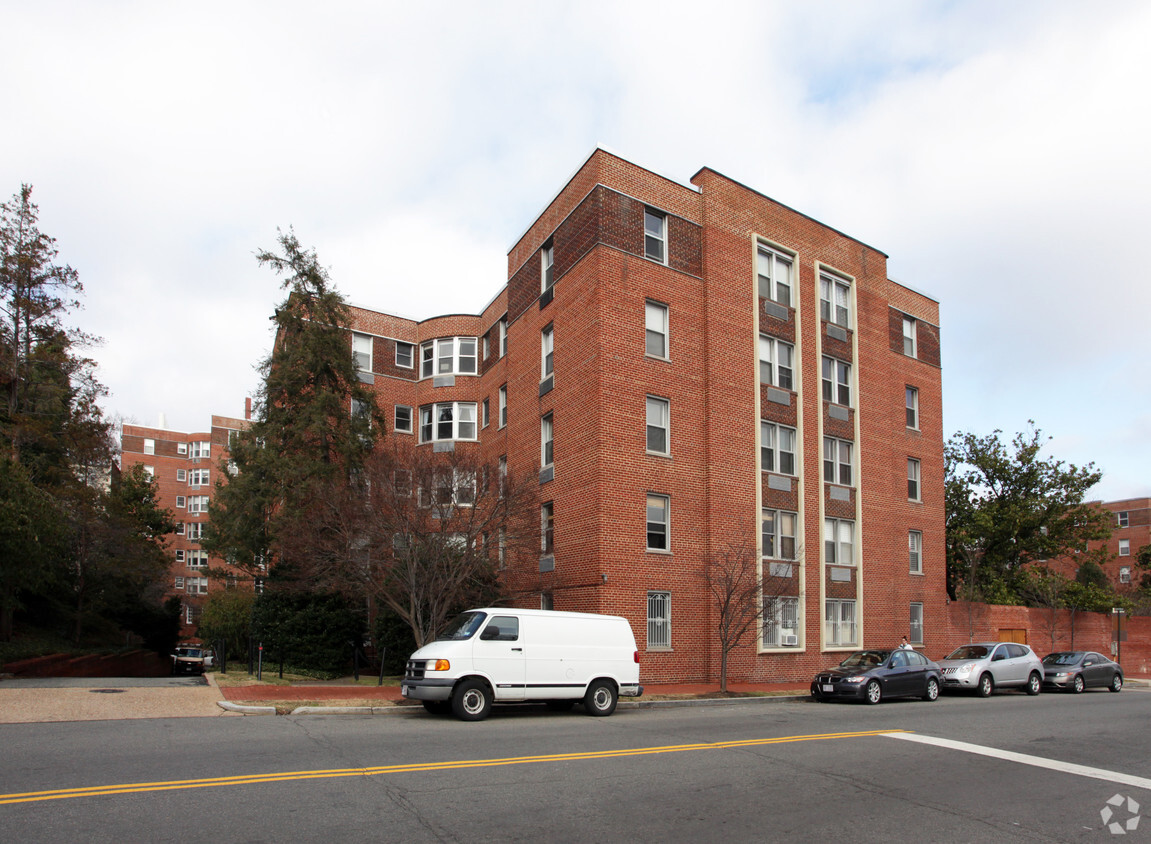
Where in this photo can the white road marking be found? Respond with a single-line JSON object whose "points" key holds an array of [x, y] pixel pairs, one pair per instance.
{"points": [[1025, 759]]}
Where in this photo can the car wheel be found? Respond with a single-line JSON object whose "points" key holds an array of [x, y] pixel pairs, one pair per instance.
{"points": [[873, 692], [1116, 683], [1077, 684], [600, 698], [986, 685], [437, 707], [1034, 683], [472, 700], [932, 692]]}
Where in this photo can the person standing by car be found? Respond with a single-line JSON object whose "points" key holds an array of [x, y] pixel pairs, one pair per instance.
{"points": [[904, 644]]}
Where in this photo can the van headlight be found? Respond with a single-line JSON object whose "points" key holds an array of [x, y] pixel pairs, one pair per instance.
{"points": [[437, 665]]}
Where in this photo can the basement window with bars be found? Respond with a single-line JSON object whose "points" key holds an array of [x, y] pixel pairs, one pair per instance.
{"points": [[658, 620]]}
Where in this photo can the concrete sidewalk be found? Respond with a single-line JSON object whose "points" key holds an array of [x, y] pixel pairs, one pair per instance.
{"points": [[108, 699]]}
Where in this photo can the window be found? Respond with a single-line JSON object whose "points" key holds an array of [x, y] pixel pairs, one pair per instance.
{"points": [[777, 534], [179, 528], [179, 583], [546, 441], [196, 585], [657, 522], [403, 419], [658, 620], [658, 413], [1124, 547], [179, 556], [448, 421], [656, 322], [655, 236], [150, 472], [486, 347], [201, 449], [181, 448], [774, 272], [839, 542], [405, 355], [149, 446], [834, 298], [780, 622], [775, 366], [547, 528], [915, 624], [837, 381], [839, 617], [547, 259], [547, 347], [837, 461], [909, 337], [198, 560], [915, 551], [1125, 574], [912, 400], [362, 351], [402, 482], [195, 531], [180, 501], [1124, 518], [502, 469], [198, 477], [503, 405], [776, 448], [484, 412], [448, 356], [503, 328], [182, 475], [912, 479], [547, 601], [197, 503]]}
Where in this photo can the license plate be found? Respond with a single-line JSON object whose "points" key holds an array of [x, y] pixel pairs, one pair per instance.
{"points": [[404, 691], [827, 688]]}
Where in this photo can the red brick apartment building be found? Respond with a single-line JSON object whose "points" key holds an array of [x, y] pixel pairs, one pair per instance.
{"points": [[683, 369], [185, 467], [1131, 531]]}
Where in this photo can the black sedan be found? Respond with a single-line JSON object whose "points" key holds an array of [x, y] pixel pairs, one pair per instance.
{"points": [[1076, 670], [872, 675]]}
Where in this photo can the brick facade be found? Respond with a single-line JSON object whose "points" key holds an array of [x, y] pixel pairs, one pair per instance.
{"points": [[710, 378]]}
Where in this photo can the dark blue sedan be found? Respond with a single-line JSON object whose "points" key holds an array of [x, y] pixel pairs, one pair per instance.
{"points": [[872, 675]]}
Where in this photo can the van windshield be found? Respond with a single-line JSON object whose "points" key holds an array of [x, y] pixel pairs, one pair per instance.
{"points": [[463, 626]]}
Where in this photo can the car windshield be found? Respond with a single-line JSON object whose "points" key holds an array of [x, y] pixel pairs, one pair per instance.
{"points": [[1066, 658], [865, 659], [189, 652], [969, 652], [463, 626]]}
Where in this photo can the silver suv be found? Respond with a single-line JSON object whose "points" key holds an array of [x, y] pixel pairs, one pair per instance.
{"points": [[986, 666]]}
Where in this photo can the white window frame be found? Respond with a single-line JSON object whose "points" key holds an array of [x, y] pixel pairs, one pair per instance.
{"points": [[197, 559], [547, 441], [1124, 547], [777, 440], [915, 552], [197, 504], [181, 501], [449, 356], [397, 426], [182, 448], [836, 380], [839, 541], [411, 355], [658, 422], [503, 406], [835, 300], [840, 623], [768, 264], [547, 267], [915, 623], [662, 507], [659, 620], [179, 528], [911, 400], [182, 476], [777, 534], [362, 351], [180, 555], [655, 235], [547, 352], [460, 415], [914, 480], [485, 412], [1125, 574], [910, 337], [150, 472], [149, 445], [840, 461], [1123, 518], [547, 527], [179, 583], [778, 611], [503, 329], [772, 370], [199, 477], [201, 448], [656, 329]]}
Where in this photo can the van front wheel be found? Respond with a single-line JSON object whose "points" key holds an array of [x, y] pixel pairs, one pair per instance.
{"points": [[471, 701], [600, 698]]}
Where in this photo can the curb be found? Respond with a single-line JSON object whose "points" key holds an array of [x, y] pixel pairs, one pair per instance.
{"points": [[711, 701], [244, 709], [347, 710]]}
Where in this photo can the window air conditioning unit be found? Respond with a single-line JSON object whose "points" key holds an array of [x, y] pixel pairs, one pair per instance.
{"points": [[791, 639]]}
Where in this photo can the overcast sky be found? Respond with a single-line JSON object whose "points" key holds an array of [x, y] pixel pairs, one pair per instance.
{"points": [[997, 152]]}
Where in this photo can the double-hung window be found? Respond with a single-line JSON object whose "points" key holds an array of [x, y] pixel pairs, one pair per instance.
{"points": [[774, 271], [780, 622], [201, 449], [912, 400], [448, 356], [362, 351], [547, 260], [198, 477], [1123, 518], [658, 414], [656, 324], [547, 348], [775, 362], [658, 620], [448, 421], [839, 618], [547, 528], [405, 354], [915, 623], [776, 448], [910, 345], [1124, 547], [197, 503], [503, 402], [837, 461], [149, 446], [547, 431], [913, 490], [777, 534], [835, 300], [403, 419], [658, 507], [915, 551], [837, 381], [655, 236], [839, 542]]}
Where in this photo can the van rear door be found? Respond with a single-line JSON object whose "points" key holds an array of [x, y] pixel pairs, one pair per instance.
{"points": [[498, 653]]}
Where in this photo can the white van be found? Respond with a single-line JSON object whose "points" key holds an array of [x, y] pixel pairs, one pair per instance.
{"points": [[506, 655]]}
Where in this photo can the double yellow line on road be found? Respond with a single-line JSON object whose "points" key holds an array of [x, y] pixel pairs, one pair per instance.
{"points": [[288, 776]]}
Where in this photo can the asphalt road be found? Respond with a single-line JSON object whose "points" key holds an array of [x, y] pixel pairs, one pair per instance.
{"points": [[796, 771]]}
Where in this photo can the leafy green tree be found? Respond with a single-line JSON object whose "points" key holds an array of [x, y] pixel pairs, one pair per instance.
{"points": [[315, 424], [316, 631], [31, 540], [227, 618], [1008, 506]]}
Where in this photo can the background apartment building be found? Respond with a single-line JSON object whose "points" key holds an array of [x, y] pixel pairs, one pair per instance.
{"points": [[686, 371], [1131, 531], [186, 467]]}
